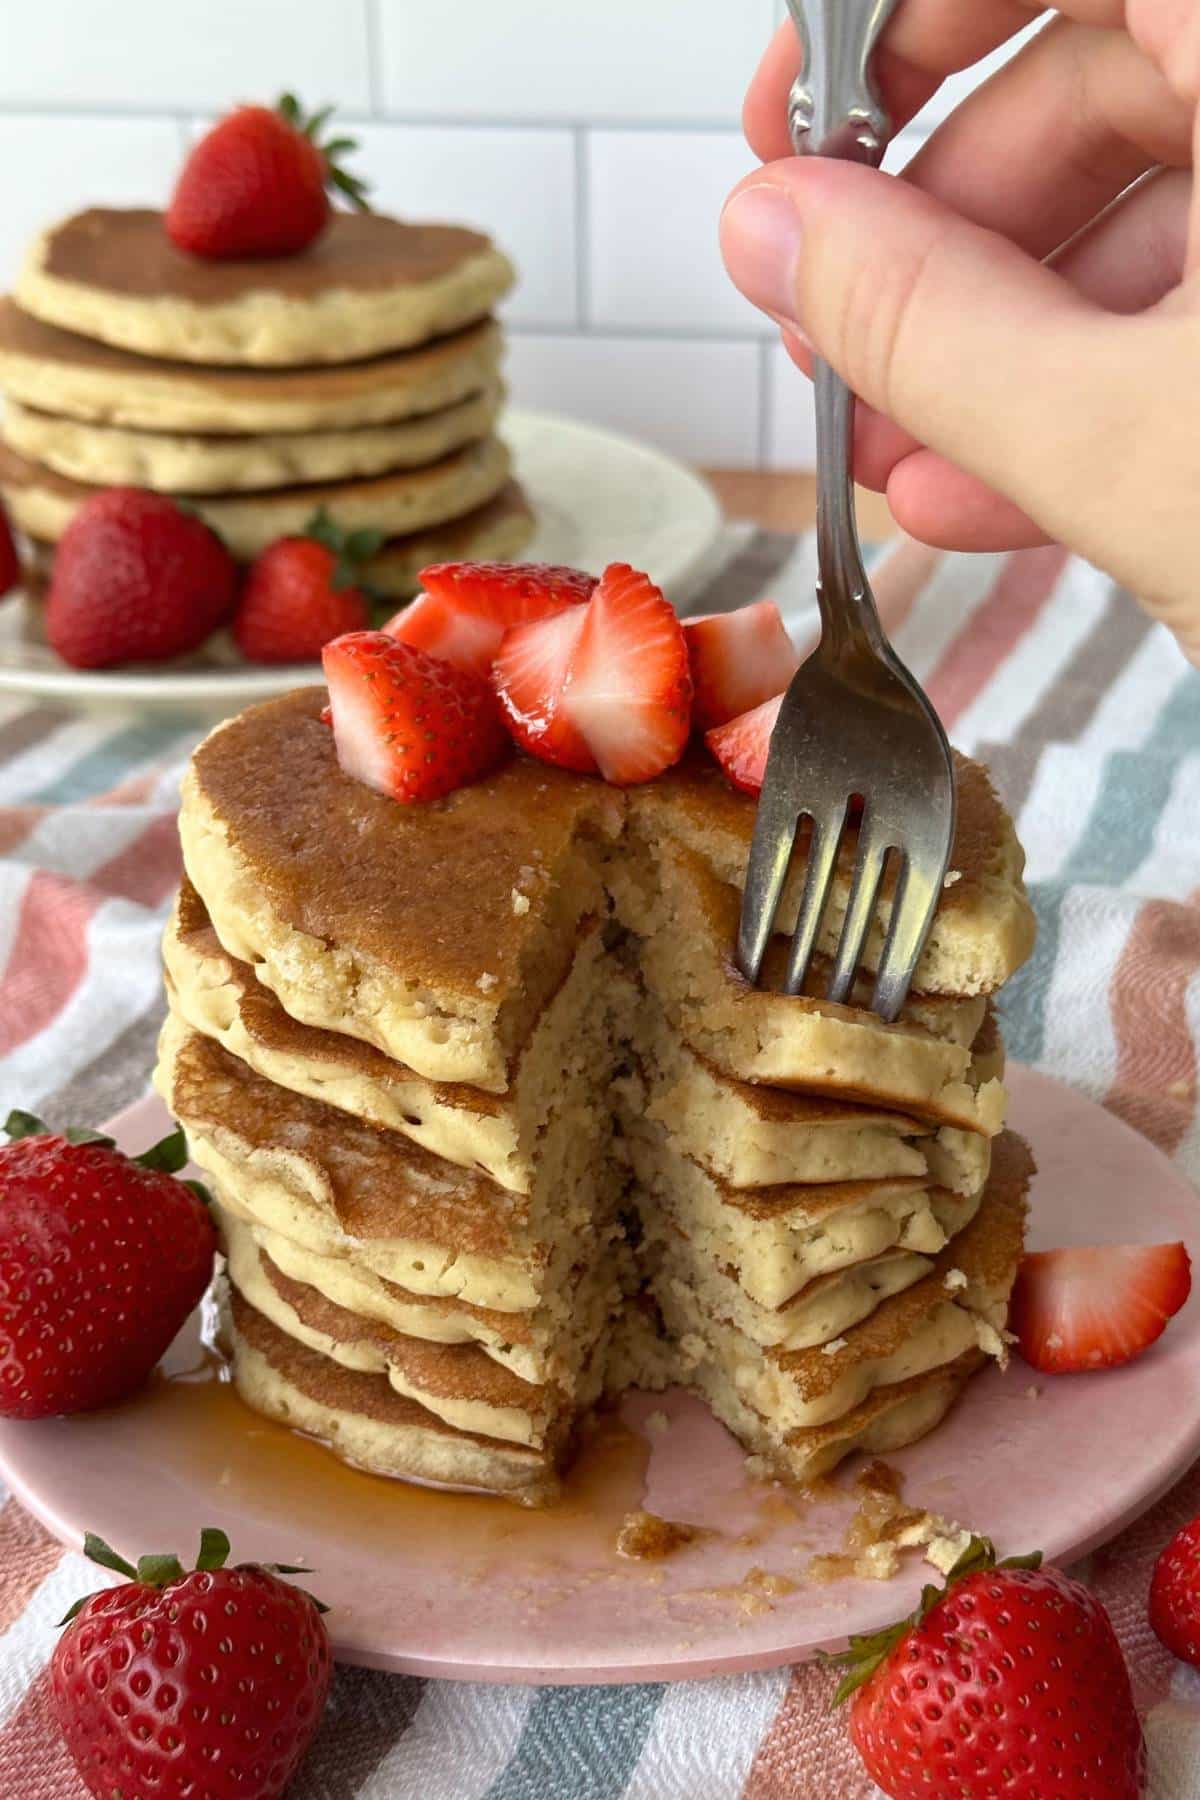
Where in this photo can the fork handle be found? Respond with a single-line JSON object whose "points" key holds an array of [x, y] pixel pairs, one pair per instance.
{"points": [[835, 110]]}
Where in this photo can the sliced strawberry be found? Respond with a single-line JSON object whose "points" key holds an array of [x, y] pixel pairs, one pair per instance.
{"points": [[529, 676], [466, 608], [738, 659], [1095, 1307], [741, 745], [406, 724], [628, 691], [518, 592], [467, 640]]}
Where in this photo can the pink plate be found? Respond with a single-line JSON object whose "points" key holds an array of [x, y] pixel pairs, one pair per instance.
{"points": [[459, 1585]]}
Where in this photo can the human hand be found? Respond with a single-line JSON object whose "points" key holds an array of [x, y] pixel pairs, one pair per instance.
{"points": [[1022, 325]]}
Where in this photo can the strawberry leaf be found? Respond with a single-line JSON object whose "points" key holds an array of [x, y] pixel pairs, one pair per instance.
{"points": [[77, 1608], [350, 549], [97, 1551], [25, 1124], [159, 1571], [201, 1192], [363, 544], [311, 125], [169, 1154], [214, 1548]]}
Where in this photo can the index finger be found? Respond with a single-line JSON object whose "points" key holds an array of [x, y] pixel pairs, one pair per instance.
{"points": [[925, 41]]}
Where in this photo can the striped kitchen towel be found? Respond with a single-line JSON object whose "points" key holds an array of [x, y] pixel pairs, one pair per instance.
{"points": [[1090, 720]]}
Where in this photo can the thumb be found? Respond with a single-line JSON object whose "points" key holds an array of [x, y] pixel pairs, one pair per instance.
{"points": [[948, 329]]}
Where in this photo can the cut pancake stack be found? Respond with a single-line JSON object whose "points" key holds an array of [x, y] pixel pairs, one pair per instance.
{"points": [[497, 1129], [361, 375]]}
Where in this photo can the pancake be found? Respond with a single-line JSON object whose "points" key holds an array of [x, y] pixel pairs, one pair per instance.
{"points": [[888, 1419], [368, 284], [349, 1189], [173, 463], [459, 1383], [403, 926], [365, 1421], [350, 908], [498, 531], [984, 927], [776, 1240], [214, 993], [79, 378], [752, 1135], [686, 919], [962, 1303], [823, 1310], [42, 502], [528, 1343]]}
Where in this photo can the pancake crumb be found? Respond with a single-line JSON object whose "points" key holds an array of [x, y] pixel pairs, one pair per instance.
{"points": [[833, 1346], [520, 902], [486, 982], [645, 1537], [954, 1279]]}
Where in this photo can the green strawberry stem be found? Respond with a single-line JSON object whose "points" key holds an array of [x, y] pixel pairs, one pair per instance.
{"points": [[162, 1569], [351, 550], [867, 1650], [353, 187]]}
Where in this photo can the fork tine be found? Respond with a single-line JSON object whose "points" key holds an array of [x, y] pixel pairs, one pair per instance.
{"points": [[766, 871], [860, 908], [912, 914], [818, 878]]}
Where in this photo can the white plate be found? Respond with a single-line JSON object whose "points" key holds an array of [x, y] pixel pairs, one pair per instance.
{"points": [[459, 1585], [599, 497]]}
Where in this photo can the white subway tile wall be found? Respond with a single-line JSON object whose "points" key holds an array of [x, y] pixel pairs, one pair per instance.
{"points": [[595, 141]]}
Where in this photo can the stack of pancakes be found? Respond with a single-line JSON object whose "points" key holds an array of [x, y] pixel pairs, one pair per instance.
{"points": [[361, 375], [496, 1127]]}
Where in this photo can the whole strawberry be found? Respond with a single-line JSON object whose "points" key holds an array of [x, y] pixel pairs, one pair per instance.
{"points": [[102, 1258], [1175, 1595], [404, 722], [136, 579], [1008, 1681], [208, 1683], [302, 591], [256, 184]]}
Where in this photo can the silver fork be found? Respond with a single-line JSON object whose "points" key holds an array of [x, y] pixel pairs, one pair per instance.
{"points": [[854, 724]]}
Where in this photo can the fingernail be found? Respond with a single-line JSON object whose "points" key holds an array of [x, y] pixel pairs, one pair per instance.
{"points": [[760, 241]]}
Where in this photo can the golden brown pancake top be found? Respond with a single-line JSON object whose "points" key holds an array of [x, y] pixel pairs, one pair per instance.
{"points": [[425, 890], [127, 251]]}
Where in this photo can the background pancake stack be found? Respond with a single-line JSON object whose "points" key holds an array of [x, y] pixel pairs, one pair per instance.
{"points": [[497, 1127], [362, 375]]}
